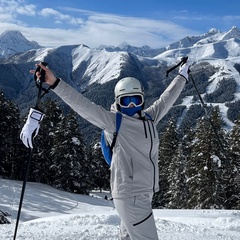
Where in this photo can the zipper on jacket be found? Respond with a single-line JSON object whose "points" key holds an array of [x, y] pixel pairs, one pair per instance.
{"points": [[154, 134], [145, 130], [150, 154]]}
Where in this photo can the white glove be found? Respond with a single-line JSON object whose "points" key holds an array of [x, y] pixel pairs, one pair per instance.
{"points": [[31, 127], [184, 70]]}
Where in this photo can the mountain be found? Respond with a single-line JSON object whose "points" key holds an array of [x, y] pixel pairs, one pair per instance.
{"points": [[190, 41], [233, 33], [144, 51], [12, 42], [94, 72], [210, 46]]}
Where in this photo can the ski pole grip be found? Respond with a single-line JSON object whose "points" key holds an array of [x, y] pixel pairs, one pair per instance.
{"points": [[42, 72], [183, 60]]}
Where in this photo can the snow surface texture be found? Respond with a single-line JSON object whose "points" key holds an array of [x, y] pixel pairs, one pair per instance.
{"points": [[50, 214]]}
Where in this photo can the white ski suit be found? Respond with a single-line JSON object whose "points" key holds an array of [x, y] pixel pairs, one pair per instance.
{"points": [[134, 167]]}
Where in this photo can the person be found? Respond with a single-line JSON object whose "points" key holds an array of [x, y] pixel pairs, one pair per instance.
{"points": [[134, 166]]}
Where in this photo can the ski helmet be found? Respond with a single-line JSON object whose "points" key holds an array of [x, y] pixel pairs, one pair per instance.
{"points": [[128, 86]]}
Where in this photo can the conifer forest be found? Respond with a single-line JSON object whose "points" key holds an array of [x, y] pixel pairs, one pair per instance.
{"points": [[198, 167]]}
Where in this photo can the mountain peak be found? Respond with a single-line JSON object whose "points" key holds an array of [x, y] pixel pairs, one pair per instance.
{"points": [[211, 32], [123, 45], [11, 33], [13, 41], [234, 32]]}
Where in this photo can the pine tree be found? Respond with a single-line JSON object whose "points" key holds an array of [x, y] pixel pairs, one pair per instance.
{"points": [[177, 185], [17, 151], [99, 168], [42, 159], [205, 165], [70, 167], [219, 156], [233, 185], [167, 151], [9, 141], [180, 189]]}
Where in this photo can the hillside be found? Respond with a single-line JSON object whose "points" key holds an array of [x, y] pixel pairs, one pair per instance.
{"points": [[215, 69]]}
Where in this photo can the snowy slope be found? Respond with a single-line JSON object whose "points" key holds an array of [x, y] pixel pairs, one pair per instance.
{"points": [[103, 66], [220, 50], [99, 66], [209, 46], [50, 214]]}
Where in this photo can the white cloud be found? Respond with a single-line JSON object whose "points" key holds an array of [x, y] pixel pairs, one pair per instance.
{"points": [[59, 17], [28, 10], [10, 10], [46, 12], [5, 17], [232, 18], [17, 7], [112, 29], [90, 28]]}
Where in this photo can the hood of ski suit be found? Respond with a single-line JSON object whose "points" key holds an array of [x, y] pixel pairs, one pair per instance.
{"points": [[134, 166]]}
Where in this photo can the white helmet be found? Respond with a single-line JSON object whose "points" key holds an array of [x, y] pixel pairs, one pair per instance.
{"points": [[128, 86]]}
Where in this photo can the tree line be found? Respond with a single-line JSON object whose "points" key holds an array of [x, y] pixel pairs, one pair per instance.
{"points": [[195, 171], [60, 158]]}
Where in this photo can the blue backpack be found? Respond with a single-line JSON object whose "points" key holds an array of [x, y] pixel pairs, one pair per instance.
{"points": [[106, 148]]}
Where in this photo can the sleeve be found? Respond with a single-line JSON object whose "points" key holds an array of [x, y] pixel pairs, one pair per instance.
{"points": [[161, 106], [88, 110]]}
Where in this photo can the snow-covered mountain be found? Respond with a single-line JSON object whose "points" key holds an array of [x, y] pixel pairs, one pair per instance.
{"points": [[144, 51], [210, 46], [12, 42], [215, 69]]}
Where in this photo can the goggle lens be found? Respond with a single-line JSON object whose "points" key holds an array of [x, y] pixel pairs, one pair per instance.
{"points": [[128, 100]]}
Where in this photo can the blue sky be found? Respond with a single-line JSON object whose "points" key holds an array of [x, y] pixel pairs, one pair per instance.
{"points": [[156, 23]]}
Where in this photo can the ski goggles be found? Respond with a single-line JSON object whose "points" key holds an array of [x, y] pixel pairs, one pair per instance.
{"points": [[127, 101]]}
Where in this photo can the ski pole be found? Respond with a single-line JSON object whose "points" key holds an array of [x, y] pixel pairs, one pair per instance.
{"points": [[237, 177], [22, 192], [209, 119], [183, 60], [39, 83]]}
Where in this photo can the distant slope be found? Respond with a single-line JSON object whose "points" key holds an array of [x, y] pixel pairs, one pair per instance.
{"points": [[94, 72]]}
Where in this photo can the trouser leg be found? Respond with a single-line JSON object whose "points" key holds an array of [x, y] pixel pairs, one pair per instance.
{"points": [[136, 214], [123, 232]]}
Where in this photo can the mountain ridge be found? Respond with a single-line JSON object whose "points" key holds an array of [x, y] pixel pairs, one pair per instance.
{"points": [[215, 68]]}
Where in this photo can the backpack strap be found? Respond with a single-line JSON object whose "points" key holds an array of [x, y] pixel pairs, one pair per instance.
{"points": [[148, 116], [118, 124]]}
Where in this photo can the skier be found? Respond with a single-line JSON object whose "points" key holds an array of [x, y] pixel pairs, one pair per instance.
{"points": [[134, 166]]}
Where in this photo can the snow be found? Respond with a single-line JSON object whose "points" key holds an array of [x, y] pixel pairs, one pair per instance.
{"points": [[103, 66], [216, 160], [51, 214], [187, 101], [41, 54]]}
